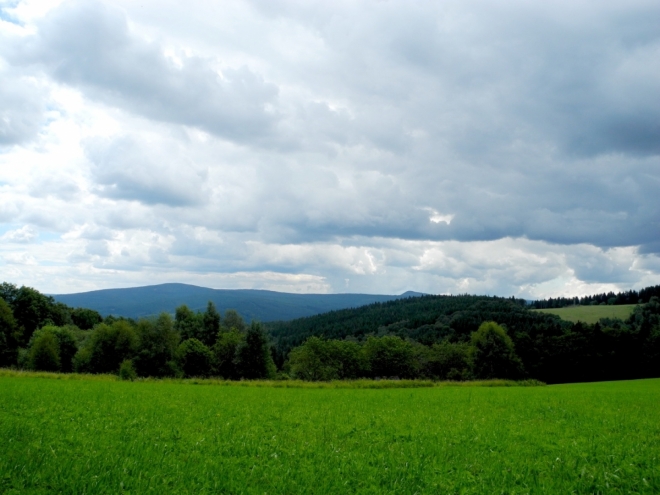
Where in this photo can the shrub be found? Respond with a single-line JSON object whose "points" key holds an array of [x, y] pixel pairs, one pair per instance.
{"points": [[44, 353], [390, 356], [127, 371], [493, 353], [194, 358], [323, 360], [224, 353], [106, 348], [158, 342], [253, 358], [447, 361]]}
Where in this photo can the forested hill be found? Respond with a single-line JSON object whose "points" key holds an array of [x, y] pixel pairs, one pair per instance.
{"points": [[262, 305], [426, 319], [609, 298], [434, 328]]}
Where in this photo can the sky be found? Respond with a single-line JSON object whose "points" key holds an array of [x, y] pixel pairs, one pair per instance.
{"points": [[505, 148]]}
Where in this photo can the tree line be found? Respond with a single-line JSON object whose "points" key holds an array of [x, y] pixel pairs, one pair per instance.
{"points": [[550, 349], [40, 334], [609, 298], [437, 337]]}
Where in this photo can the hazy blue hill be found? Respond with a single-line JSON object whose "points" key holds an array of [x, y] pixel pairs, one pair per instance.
{"points": [[262, 305]]}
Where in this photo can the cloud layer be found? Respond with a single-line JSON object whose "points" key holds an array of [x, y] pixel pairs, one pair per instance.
{"points": [[375, 147]]}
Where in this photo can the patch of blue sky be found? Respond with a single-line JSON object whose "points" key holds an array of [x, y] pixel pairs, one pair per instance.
{"points": [[42, 235], [46, 236], [6, 227], [7, 16]]}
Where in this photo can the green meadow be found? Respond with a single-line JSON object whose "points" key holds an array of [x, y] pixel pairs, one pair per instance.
{"points": [[591, 314], [107, 436]]}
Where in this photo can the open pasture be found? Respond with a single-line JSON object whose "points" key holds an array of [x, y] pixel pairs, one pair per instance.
{"points": [[591, 314], [102, 436]]}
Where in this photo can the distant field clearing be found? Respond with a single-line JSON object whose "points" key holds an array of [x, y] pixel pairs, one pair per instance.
{"points": [[591, 314]]}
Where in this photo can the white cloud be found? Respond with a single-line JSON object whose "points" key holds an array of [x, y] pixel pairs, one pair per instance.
{"points": [[25, 234], [440, 147]]}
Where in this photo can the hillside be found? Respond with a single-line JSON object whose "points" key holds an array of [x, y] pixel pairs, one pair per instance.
{"points": [[260, 305], [426, 319], [591, 314], [551, 349]]}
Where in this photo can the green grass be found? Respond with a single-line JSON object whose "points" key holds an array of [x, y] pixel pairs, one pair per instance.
{"points": [[591, 314], [106, 436]]}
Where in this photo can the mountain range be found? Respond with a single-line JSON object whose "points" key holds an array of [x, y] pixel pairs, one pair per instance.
{"points": [[262, 305]]}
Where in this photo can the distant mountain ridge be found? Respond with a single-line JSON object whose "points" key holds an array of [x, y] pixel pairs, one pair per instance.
{"points": [[252, 304]]}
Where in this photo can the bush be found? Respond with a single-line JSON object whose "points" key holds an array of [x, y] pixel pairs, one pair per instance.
{"points": [[324, 360], [158, 342], [127, 371], [224, 353], [194, 358], [390, 356], [106, 348], [44, 353], [313, 361], [493, 353], [447, 361], [253, 358]]}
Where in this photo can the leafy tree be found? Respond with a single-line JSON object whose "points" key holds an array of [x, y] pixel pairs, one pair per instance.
{"points": [[8, 292], [158, 342], [188, 323], [106, 347], [350, 359], [224, 353], [44, 352], [211, 325], [233, 320], [390, 356], [66, 343], [194, 358], [59, 313], [493, 353], [31, 310], [68, 347], [448, 361], [313, 361], [85, 319], [319, 359], [253, 358], [9, 336]]}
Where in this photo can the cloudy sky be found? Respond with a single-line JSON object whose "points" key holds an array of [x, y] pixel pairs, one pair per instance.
{"points": [[508, 148]]}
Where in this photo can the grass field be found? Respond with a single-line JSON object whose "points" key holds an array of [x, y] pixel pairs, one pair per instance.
{"points": [[591, 314], [103, 436]]}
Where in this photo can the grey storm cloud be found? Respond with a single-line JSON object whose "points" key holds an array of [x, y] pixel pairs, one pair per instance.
{"points": [[499, 120], [88, 44]]}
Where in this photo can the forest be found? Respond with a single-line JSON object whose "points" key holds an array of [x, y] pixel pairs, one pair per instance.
{"points": [[433, 337], [609, 298]]}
